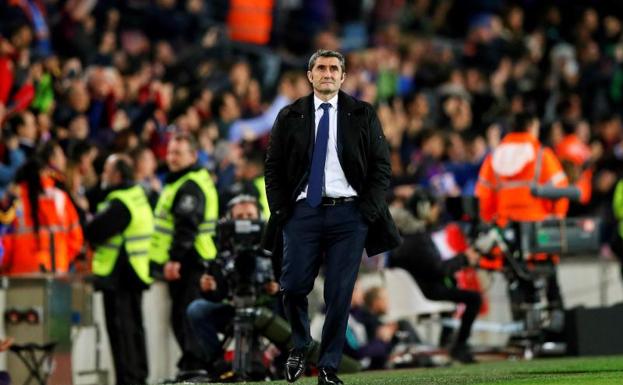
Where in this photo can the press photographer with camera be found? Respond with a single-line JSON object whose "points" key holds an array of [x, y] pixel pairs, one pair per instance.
{"points": [[241, 276], [420, 256]]}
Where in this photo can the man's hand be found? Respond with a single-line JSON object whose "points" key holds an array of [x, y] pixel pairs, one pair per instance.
{"points": [[386, 332], [6, 344], [606, 179], [12, 143], [207, 283], [172, 271], [271, 287], [472, 256]]}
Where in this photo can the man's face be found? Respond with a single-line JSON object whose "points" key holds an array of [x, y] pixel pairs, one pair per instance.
{"points": [[326, 76], [180, 155], [110, 176], [245, 210], [230, 110], [434, 213], [58, 159], [29, 129], [381, 303]]}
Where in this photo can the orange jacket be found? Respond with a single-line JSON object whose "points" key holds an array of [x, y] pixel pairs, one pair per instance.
{"points": [[572, 148], [250, 21], [577, 153], [585, 184], [59, 236], [503, 186]]}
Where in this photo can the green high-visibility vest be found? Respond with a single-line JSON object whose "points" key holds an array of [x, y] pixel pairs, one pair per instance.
{"points": [[260, 185], [164, 224], [617, 205], [135, 238]]}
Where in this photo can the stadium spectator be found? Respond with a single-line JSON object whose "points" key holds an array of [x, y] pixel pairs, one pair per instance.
{"points": [[47, 215], [421, 257]]}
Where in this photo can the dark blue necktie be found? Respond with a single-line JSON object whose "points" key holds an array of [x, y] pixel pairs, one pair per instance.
{"points": [[316, 175]]}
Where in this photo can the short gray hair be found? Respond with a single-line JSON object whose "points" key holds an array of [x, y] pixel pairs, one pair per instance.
{"points": [[326, 53]]}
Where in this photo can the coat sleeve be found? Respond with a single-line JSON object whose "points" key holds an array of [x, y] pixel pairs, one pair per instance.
{"points": [[108, 223], [379, 170], [75, 237], [188, 211], [553, 174], [7, 171], [485, 191], [275, 170], [6, 79]]}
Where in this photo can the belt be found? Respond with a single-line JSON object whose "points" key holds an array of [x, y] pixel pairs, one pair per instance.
{"points": [[328, 201]]}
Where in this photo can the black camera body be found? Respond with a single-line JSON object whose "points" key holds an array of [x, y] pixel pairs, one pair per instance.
{"points": [[244, 264], [565, 236], [246, 268]]}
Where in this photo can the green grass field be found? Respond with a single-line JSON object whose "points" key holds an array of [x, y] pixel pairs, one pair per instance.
{"points": [[589, 371]]}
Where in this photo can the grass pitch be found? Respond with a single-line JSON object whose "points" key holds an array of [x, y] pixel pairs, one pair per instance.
{"points": [[575, 371]]}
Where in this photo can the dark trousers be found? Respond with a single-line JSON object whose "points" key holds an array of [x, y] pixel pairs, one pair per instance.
{"points": [[183, 292], [124, 323], [207, 319], [471, 299], [335, 236]]}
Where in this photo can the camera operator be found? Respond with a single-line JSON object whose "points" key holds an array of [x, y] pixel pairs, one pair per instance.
{"points": [[503, 189], [419, 255], [213, 314]]}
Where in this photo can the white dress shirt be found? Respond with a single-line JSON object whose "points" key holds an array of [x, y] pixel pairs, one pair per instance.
{"points": [[335, 184]]}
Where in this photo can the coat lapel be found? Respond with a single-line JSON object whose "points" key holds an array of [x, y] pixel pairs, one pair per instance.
{"points": [[305, 109], [309, 125], [305, 112], [344, 110]]}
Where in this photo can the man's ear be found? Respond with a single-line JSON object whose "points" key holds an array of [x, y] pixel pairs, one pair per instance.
{"points": [[309, 76]]}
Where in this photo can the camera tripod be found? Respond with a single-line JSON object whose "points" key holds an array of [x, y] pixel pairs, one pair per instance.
{"points": [[245, 339], [532, 288]]}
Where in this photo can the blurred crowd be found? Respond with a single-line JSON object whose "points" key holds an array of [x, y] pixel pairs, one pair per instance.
{"points": [[81, 79]]}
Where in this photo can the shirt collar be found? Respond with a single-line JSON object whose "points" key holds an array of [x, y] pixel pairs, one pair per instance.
{"points": [[318, 102]]}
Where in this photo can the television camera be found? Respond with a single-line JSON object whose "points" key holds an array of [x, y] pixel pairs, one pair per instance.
{"points": [[245, 265], [247, 268], [509, 249]]}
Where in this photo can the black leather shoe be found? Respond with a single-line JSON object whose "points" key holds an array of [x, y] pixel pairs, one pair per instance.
{"points": [[297, 361], [463, 354], [327, 376]]}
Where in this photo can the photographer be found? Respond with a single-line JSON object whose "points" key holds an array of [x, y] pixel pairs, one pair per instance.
{"points": [[420, 256], [214, 313]]}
